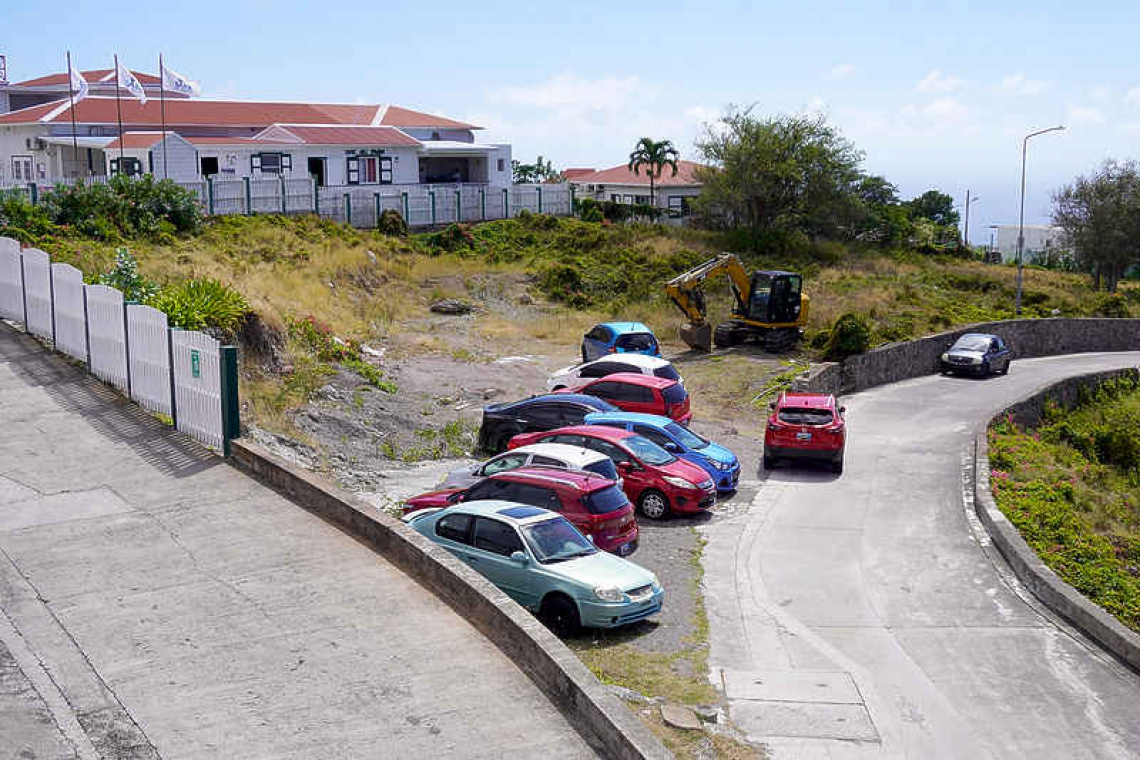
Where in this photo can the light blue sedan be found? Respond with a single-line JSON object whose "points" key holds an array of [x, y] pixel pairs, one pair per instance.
{"points": [[720, 463], [542, 562]]}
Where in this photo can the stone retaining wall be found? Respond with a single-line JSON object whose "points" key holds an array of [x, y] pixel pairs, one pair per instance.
{"points": [[1027, 337], [1045, 584]]}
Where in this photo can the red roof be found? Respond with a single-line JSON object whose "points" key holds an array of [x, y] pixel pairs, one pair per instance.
{"points": [[576, 173], [187, 112], [622, 175], [396, 116], [234, 141], [93, 76], [136, 140], [378, 136]]}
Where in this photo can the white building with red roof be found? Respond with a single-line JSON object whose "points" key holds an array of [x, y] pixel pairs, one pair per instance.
{"points": [[621, 185], [333, 143]]}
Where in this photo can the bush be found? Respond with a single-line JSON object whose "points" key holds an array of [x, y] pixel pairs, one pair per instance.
{"points": [[18, 215], [1113, 305], [134, 206], [392, 223], [319, 339], [850, 335], [588, 210], [197, 304], [452, 238], [124, 276]]}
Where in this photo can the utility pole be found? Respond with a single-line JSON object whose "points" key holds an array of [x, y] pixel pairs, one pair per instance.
{"points": [[1021, 216]]}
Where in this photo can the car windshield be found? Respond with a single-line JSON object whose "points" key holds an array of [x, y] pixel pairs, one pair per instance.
{"points": [[604, 467], [794, 415], [636, 342], [688, 438], [606, 500], [675, 394], [556, 540], [647, 451], [668, 372], [971, 343]]}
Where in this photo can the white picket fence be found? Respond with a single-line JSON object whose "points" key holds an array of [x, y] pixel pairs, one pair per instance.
{"points": [[186, 375]]}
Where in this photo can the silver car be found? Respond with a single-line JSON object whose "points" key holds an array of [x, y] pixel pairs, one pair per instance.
{"points": [[537, 454]]}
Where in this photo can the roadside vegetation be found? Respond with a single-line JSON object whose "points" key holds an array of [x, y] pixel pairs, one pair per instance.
{"points": [[1072, 487]]}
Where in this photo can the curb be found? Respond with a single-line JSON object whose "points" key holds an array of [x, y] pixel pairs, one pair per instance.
{"points": [[598, 716], [1045, 584]]}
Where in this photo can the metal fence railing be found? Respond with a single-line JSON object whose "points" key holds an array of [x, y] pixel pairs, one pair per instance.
{"points": [[183, 374]]}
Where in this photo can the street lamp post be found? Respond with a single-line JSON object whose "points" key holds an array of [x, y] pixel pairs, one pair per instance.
{"points": [[1021, 217], [992, 228], [966, 231]]}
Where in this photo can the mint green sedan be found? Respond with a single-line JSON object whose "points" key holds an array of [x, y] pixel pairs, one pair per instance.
{"points": [[542, 562]]}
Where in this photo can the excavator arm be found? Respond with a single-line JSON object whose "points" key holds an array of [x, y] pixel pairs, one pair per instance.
{"points": [[686, 291]]}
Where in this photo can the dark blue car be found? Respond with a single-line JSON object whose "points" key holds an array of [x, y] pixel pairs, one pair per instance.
{"points": [[501, 422], [619, 338], [720, 463]]}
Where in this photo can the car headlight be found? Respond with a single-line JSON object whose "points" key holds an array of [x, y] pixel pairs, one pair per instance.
{"points": [[679, 482], [975, 360], [607, 594], [945, 357], [655, 583]]}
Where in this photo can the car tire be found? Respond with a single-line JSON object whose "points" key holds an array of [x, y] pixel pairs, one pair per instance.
{"points": [[560, 615], [584, 359], [837, 466], [653, 504], [769, 462], [502, 442], [1005, 369]]}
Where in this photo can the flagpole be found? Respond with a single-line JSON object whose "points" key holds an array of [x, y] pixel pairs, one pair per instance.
{"points": [[71, 100], [162, 101], [119, 110]]}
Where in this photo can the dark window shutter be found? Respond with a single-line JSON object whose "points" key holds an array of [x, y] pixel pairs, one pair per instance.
{"points": [[353, 166]]}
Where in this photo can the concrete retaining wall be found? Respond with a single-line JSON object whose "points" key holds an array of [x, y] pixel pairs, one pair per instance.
{"points": [[1027, 337], [1045, 584], [606, 723]]}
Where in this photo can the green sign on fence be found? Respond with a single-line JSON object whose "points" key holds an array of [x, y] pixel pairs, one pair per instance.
{"points": [[195, 363]]}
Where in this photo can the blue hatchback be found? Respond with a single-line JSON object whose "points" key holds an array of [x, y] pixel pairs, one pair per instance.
{"points": [[618, 338], [720, 463]]}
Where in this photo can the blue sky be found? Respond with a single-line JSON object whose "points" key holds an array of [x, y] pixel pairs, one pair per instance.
{"points": [[936, 96]]}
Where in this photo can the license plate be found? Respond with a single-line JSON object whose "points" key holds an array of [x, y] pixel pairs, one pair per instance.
{"points": [[803, 436], [625, 549]]}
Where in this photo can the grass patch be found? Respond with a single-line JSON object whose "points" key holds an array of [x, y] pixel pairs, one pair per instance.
{"points": [[453, 439], [1072, 487]]}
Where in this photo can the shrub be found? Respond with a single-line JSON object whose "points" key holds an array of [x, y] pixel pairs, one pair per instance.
{"points": [[124, 276], [588, 210], [392, 223], [1113, 305], [452, 238], [850, 335], [197, 304], [319, 339], [135, 206], [18, 215]]}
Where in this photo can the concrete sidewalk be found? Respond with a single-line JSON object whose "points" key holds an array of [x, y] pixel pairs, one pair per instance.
{"points": [[155, 602]]}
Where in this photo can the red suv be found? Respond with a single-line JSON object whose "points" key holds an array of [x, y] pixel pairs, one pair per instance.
{"points": [[655, 480], [805, 426], [633, 392], [596, 506]]}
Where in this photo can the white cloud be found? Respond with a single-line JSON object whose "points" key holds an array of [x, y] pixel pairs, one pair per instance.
{"points": [[1018, 84], [1100, 93], [568, 90], [936, 81], [1132, 98], [945, 108], [816, 105], [1083, 115], [842, 71]]}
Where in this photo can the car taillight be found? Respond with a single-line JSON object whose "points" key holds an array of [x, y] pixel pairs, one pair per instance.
{"points": [[774, 426]]}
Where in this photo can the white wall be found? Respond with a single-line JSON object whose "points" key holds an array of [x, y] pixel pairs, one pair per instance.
{"points": [[662, 193], [500, 177], [405, 166], [458, 135], [12, 143]]}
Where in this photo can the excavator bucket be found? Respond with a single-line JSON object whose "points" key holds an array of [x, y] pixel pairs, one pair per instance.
{"points": [[697, 335]]}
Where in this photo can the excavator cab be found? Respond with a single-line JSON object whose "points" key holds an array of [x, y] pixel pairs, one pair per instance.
{"points": [[774, 298]]}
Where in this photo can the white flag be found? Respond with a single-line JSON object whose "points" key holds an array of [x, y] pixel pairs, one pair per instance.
{"points": [[172, 81], [78, 85], [131, 84]]}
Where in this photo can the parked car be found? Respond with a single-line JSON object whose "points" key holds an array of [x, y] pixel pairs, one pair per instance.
{"points": [[546, 412], [540, 454], [542, 562], [654, 479], [805, 426], [609, 365], [619, 338], [639, 393], [720, 463], [979, 354], [596, 506]]}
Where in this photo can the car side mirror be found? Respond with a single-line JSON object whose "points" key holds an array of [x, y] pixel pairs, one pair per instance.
{"points": [[672, 447], [455, 498], [843, 410], [625, 467], [772, 405], [520, 558]]}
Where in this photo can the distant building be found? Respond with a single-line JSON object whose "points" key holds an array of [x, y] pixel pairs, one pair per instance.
{"points": [[1038, 239], [621, 185]]}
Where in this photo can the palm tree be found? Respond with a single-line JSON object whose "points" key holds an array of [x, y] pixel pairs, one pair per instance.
{"points": [[655, 156]]}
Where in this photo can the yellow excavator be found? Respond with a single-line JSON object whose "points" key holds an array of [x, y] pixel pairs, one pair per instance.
{"points": [[771, 306]]}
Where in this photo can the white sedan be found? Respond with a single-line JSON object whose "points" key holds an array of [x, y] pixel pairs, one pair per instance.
{"points": [[608, 365], [535, 455]]}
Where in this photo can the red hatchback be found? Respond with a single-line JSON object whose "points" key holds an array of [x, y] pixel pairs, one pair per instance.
{"points": [[805, 426], [596, 506], [655, 480], [634, 392]]}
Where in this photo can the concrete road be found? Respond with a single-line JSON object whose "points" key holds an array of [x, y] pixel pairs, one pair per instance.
{"points": [[155, 602], [866, 615]]}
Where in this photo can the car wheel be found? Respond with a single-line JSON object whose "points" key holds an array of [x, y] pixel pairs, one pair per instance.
{"points": [[584, 359], [560, 615], [837, 466], [769, 462], [1005, 369], [653, 504], [558, 387]]}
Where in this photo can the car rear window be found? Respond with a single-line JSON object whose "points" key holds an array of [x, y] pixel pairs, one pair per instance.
{"points": [[603, 467], [794, 415], [606, 500], [636, 342], [668, 372], [675, 394]]}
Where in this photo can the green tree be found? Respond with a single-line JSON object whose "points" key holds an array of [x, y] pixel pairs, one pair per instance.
{"points": [[654, 155], [936, 206], [1100, 216], [783, 172], [539, 171]]}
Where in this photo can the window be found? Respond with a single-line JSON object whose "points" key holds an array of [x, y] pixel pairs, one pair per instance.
{"points": [[488, 489], [22, 168], [568, 439], [270, 163], [501, 164], [496, 537], [546, 461], [675, 394], [615, 197], [606, 500], [129, 166], [209, 166], [678, 205], [369, 170], [573, 415], [601, 369], [637, 342], [536, 496], [668, 372], [605, 447], [605, 390], [627, 199], [600, 333], [653, 434], [454, 527], [637, 394], [505, 462], [791, 415], [545, 415]]}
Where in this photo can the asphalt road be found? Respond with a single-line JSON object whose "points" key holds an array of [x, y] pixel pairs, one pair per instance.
{"points": [[866, 615]]}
